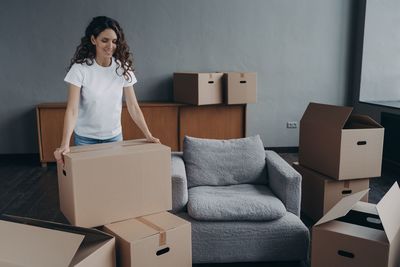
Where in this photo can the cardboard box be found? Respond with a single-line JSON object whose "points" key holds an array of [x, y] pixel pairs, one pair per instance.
{"points": [[240, 87], [27, 242], [319, 193], [356, 233], [198, 88], [338, 144], [105, 183], [157, 240]]}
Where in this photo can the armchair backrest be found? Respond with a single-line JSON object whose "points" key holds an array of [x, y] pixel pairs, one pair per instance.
{"points": [[213, 162]]}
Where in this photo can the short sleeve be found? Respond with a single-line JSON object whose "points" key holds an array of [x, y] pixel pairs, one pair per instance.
{"points": [[131, 81], [75, 75]]}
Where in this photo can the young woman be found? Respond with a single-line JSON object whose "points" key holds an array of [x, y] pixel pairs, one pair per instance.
{"points": [[99, 75]]}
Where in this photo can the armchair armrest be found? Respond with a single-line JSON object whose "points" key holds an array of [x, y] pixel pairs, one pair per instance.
{"points": [[179, 182], [284, 181]]}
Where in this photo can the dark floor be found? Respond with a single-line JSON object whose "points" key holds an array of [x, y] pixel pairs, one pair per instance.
{"points": [[27, 189]]}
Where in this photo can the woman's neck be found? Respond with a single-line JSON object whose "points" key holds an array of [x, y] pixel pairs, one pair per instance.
{"points": [[104, 62]]}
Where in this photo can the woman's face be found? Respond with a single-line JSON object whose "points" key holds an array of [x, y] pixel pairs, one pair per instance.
{"points": [[106, 43]]}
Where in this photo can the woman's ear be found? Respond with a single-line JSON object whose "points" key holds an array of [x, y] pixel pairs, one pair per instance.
{"points": [[93, 40]]}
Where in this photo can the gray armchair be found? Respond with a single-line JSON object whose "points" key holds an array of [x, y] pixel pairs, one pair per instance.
{"points": [[221, 232]]}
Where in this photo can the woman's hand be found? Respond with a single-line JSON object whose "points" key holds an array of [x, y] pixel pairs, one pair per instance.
{"points": [[60, 152], [152, 139]]}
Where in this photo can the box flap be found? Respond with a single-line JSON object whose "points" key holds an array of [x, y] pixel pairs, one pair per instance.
{"points": [[27, 245], [342, 207], [101, 150], [389, 213], [328, 116], [96, 147], [361, 122]]}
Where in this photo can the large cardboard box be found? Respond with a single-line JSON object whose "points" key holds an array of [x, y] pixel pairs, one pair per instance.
{"points": [[319, 193], [240, 87], [198, 88], [105, 183], [338, 144], [27, 242], [157, 240], [354, 233]]}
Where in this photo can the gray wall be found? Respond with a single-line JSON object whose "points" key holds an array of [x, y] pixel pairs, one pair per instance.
{"points": [[299, 49]]}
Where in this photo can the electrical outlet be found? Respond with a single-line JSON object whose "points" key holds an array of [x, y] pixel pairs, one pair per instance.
{"points": [[291, 124]]}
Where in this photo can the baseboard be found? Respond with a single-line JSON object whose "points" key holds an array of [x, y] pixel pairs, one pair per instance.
{"points": [[6, 159], [287, 149]]}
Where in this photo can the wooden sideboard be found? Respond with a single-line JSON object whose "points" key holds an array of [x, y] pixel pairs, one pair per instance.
{"points": [[169, 122]]}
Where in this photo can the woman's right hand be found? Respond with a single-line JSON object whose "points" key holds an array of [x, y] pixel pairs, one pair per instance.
{"points": [[59, 154]]}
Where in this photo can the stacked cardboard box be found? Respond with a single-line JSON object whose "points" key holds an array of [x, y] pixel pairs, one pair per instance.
{"points": [[215, 88], [338, 153], [126, 188], [123, 186]]}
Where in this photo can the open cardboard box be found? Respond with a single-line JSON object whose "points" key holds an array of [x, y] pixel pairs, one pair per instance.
{"points": [[355, 233], [157, 240], [338, 144], [26, 242], [105, 183]]}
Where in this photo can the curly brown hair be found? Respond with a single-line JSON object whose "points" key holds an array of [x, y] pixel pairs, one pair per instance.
{"points": [[86, 51]]}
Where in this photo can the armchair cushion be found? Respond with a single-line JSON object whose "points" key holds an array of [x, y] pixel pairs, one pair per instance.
{"points": [[224, 162], [244, 202]]}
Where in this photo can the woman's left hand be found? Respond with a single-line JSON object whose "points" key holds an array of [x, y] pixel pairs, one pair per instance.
{"points": [[152, 139]]}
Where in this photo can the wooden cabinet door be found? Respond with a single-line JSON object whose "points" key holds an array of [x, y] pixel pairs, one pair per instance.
{"points": [[215, 122], [161, 120], [50, 130]]}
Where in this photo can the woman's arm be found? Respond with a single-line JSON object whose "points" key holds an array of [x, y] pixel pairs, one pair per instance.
{"points": [[136, 114], [71, 115]]}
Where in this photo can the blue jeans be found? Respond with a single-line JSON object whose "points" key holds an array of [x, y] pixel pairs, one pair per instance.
{"points": [[81, 140]]}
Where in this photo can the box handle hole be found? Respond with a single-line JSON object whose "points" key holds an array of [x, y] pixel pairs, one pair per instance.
{"points": [[243, 81], [361, 143], [346, 192], [345, 254], [65, 173], [210, 81], [374, 220], [162, 251]]}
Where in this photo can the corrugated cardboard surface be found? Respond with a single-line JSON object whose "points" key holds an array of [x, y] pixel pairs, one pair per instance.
{"points": [[138, 242], [26, 242], [198, 88], [320, 193], [355, 243], [112, 182], [241, 87], [339, 145]]}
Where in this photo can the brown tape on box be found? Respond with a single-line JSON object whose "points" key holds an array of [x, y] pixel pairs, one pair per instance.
{"points": [[163, 234]]}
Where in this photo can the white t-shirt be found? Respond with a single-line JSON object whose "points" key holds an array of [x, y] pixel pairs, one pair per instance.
{"points": [[100, 102]]}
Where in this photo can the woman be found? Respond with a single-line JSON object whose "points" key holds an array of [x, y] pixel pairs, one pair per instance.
{"points": [[100, 73]]}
